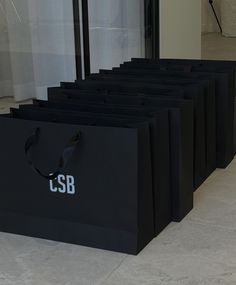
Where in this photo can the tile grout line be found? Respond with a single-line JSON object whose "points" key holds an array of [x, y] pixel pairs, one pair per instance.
{"points": [[110, 274]]}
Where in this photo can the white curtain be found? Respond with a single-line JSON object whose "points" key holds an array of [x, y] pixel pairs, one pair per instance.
{"points": [[36, 47], [116, 32]]}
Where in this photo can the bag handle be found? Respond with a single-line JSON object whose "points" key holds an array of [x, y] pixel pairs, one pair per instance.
{"points": [[33, 140]]}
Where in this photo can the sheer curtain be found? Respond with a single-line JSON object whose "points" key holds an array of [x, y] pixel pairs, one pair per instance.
{"points": [[116, 32], [36, 46]]}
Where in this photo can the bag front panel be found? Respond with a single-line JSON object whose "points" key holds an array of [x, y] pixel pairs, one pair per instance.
{"points": [[98, 186]]}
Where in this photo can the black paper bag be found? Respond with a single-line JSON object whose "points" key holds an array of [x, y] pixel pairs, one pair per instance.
{"points": [[181, 140], [159, 137], [156, 90], [209, 88], [102, 196], [225, 74]]}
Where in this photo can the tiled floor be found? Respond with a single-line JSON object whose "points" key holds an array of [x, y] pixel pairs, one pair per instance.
{"points": [[201, 250], [8, 102]]}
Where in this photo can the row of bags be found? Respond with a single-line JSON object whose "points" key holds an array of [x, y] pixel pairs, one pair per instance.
{"points": [[110, 161]]}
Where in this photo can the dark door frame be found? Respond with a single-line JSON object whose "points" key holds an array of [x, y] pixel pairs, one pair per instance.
{"points": [[77, 37], [152, 34]]}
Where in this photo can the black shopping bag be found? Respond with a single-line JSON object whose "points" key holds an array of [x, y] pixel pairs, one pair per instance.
{"points": [[225, 75], [181, 138], [157, 90], [181, 146], [194, 92], [102, 196], [159, 137], [209, 85]]}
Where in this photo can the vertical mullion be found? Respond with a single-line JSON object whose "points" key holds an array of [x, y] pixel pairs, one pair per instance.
{"points": [[148, 28], [85, 14], [152, 33], [77, 36], [156, 29]]}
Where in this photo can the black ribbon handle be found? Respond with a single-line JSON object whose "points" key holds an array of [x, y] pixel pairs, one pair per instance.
{"points": [[33, 140]]}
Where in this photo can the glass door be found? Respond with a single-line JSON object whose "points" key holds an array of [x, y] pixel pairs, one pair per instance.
{"points": [[114, 31]]}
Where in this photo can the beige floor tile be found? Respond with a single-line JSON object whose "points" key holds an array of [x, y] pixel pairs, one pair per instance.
{"points": [[8, 102], [184, 254], [29, 261]]}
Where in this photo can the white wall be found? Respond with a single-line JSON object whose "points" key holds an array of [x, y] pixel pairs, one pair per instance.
{"points": [[209, 23], [180, 28]]}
